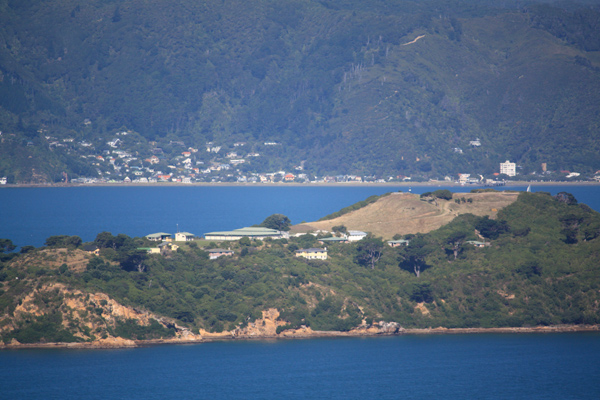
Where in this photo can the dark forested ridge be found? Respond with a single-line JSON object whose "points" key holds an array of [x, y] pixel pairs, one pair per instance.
{"points": [[343, 87], [538, 266]]}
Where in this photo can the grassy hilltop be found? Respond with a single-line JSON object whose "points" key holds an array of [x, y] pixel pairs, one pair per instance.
{"points": [[540, 268], [349, 87]]}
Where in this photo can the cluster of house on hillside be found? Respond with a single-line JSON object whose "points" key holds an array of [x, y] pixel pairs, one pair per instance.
{"points": [[168, 241], [126, 157]]}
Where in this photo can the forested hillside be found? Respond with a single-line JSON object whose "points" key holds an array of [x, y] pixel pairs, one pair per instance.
{"points": [[350, 87], [539, 266]]}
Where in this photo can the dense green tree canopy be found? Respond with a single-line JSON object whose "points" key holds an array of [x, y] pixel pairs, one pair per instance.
{"points": [[277, 221]]}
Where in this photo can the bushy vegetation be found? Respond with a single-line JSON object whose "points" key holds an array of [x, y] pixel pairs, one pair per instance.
{"points": [[539, 267], [45, 328], [130, 329]]}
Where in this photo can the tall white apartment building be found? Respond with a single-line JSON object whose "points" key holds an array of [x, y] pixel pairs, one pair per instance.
{"points": [[508, 168]]}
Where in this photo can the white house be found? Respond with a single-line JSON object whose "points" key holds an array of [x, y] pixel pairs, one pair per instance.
{"points": [[354, 236], [463, 178], [184, 237]]}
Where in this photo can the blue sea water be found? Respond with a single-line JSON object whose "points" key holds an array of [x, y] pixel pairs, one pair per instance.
{"points": [[29, 215], [479, 366]]}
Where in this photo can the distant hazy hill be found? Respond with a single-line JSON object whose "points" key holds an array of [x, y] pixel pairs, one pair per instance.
{"points": [[363, 87]]}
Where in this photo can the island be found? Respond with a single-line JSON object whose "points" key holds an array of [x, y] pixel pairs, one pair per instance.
{"points": [[400, 263]]}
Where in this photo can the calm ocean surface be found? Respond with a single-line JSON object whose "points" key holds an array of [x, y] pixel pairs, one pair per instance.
{"points": [[485, 366], [29, 215]]}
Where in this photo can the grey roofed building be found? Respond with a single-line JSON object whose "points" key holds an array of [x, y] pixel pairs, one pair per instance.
{"points": [[333, 239], [354, 236], [160, 236], [253, 232], [477, 243], [396, 243]]}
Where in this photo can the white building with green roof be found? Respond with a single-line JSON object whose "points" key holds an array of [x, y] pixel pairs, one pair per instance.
{"points": [[184, 237], [159, 237], [253, 232]]}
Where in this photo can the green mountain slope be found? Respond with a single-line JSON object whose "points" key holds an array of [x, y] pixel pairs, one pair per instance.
{"points": [[539, 267], [341, 85]]}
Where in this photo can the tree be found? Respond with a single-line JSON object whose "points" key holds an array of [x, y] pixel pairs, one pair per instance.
{"points": [[566, 198], [26, 249], [413, 255], [6, 246], [133, 260], [369, 251], [570, 223], [455, 241], [444, 194], [421, 293], [490, 228], [339, 229], [63, 241], [105, 240], [306, 240], [277, 221], [530, 268]]}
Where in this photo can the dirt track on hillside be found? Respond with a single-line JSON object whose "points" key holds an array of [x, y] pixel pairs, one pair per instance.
{"points": [[402, 213]]}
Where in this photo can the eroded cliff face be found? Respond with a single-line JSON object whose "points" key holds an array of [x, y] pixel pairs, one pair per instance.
{"points": [[92, 318], [95, 320], [266, 326]]}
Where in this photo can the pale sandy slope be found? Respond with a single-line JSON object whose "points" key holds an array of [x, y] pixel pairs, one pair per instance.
{"points": [[405, 213]]}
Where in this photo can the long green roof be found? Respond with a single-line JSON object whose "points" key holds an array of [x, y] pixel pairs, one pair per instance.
{"points": [[159, 234], [248, 231]]}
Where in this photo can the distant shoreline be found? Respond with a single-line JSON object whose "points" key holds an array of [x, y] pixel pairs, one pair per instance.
{"points": [[125, 343], [293, 184]]}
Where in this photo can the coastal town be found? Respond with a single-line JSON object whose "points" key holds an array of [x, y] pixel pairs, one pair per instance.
{"points": [[127, 158]]}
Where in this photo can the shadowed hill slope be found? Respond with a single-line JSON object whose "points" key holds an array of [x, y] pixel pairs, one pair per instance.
{"points": [[369, 88]]}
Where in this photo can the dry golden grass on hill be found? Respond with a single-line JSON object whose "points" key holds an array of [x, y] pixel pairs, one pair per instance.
{"points": [[406, 213]]}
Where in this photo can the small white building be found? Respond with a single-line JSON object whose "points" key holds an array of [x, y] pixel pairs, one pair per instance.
{"points": [[463, 178], [508, 168], [355, 236], [213, 254], [159, 237], [398, 243], [184, 237]]}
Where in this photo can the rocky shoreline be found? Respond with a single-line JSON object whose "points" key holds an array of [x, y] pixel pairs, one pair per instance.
{"points": [[383, 329]]}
